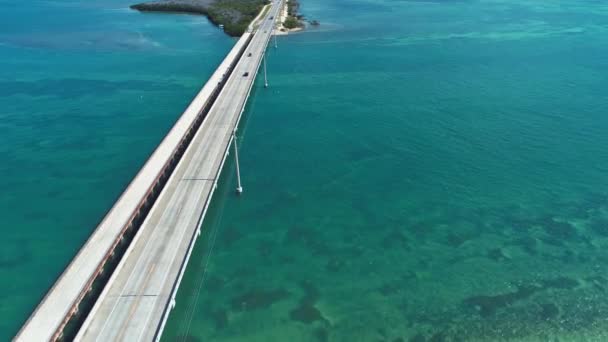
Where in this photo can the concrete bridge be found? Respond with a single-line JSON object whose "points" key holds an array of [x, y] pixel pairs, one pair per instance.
{"points": [[122, 283]]}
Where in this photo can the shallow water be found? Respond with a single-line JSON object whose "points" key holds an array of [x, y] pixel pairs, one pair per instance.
{"points": [[87, 90], [418, 170]]}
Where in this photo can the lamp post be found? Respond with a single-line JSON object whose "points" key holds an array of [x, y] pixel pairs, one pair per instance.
{"points": [[265, 74], [239, 188]]}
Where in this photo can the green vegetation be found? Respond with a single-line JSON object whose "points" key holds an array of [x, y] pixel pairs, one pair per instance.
{"points": [[292, 8], [291, 22], [235, 15]]}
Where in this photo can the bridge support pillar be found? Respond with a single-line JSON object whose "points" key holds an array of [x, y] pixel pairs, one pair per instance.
{"points": [[239, 188], [265, 74]]}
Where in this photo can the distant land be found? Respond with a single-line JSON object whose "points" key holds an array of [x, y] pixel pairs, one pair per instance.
{"points": [[234, 15]]}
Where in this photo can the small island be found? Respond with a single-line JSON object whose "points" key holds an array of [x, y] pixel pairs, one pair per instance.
{"points": [[234, 16], [292, 19]]}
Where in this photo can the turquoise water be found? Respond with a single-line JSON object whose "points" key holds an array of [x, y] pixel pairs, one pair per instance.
{"points": [[87, 90], [417, 171]]}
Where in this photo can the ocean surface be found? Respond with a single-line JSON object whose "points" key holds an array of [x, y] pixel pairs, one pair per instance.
{"points": [[87, 91], [416, 171]]}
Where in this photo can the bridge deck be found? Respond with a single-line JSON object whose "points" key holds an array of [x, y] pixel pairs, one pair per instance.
{"points": [[135, 302], [62, 299]]}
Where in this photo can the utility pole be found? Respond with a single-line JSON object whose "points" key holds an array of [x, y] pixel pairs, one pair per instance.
{"points": [[276, 30], [265, 75], [239, 188]]}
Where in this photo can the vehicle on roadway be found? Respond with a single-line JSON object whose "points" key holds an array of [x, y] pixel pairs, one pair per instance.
{"points": [[246, 74], [249, 54]]}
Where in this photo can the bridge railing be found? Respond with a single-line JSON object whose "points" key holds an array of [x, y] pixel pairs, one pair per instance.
{"points": [[131, 208]]}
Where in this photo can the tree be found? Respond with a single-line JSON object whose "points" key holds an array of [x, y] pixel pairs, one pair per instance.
{"points": [[291, 22]]}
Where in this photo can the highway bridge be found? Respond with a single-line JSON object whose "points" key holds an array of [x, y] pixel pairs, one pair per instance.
{"points": [[122, 283]]}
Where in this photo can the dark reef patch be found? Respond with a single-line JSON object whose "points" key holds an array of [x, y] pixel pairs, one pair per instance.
{"points": [[230, 236], [220, 318], [395, 238], [321, 334], [568, 257], [548, 311], [306, 312], [515, 220], [417, 338], [599, 226], [389, 289], [527, 243], [558, 229], [552, 241], [497, 254], [488, 305], [421, 230], [563, 283], [456, 240], [257, 299], [308, 238]]}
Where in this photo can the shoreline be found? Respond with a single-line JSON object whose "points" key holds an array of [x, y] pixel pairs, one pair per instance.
{"points": [[234, 18], [281, 30]]}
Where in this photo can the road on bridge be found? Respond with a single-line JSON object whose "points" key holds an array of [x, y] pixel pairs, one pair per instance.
{"points": [[135, 303]]}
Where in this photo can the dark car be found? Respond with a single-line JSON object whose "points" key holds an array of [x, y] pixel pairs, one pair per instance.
{"points": [[249, 54], [246, 74]]}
